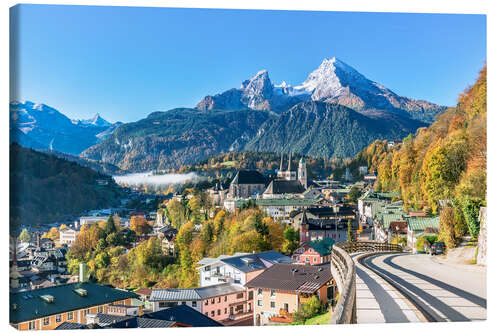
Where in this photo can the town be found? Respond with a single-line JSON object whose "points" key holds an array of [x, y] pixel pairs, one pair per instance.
{"points": [[278, 273]]}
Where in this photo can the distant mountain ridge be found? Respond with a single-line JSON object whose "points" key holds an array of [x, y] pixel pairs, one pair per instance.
{"points": [[40, 126], [333, 81], [177, 137]]}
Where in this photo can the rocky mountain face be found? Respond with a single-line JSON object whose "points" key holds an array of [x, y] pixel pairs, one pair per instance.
{"points": [[40, 126], [333, 82], [177, 137], [328, 130]]}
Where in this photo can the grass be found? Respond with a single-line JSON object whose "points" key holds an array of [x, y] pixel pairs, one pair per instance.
{"points": [[322, 319]]}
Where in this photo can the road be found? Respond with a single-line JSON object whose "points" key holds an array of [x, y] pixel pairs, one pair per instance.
{"points": [[439, 292]]}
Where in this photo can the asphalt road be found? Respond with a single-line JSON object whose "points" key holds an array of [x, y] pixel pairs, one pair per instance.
{"points": [[442, 292]]}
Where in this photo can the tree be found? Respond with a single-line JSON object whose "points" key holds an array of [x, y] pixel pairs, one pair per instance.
{"points": [[25, 236], [354, 193], [447, 226], [53, 233], [350, 236], [110, 225], [140, 225], [176, 213]]}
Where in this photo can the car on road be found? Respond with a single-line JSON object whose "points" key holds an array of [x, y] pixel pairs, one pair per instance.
{"points": [[437, 248]]}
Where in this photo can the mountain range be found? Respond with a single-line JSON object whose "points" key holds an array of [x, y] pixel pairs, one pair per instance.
{"points": [[335, 112], [333, 82], [40, 126]]}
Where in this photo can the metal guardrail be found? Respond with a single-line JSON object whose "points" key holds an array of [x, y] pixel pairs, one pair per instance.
{"points": [[344, 274]]}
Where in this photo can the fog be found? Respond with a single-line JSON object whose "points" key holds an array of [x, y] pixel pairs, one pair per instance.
{"points": [[147, 178]]}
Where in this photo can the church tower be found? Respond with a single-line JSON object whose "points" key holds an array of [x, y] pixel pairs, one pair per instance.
{"points": [[302, 173]]}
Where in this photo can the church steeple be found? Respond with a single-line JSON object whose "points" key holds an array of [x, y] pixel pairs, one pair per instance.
{"points": [[302, 173]]}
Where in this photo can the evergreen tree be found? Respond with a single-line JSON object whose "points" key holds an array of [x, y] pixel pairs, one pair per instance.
{"points": [[110, 225]]}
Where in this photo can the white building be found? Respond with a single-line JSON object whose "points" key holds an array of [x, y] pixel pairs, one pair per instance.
{"points": [[67, 236]]}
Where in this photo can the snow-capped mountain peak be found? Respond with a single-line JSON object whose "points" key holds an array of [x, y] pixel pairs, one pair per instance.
{"points": [[96, 120]]}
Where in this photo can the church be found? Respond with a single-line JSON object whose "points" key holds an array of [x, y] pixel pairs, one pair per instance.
{"points": [[288, 182]]}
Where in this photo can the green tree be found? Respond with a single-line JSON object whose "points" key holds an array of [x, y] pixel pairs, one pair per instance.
{"points": [[110, 225], [350, 235], [25, 236]]}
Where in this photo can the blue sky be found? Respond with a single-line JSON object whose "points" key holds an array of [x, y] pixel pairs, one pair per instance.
{"points": [[126, 62]]}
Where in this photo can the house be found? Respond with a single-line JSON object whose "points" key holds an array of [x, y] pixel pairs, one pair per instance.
{"points": [[417, 226], [247, 184], [325, 213], [382, 223], [318, 229], [67, 236], [217, 194], [237, 269], [221, 302], [184, 314], [282, 187], [279, 209], [371, 177], [47, 308], [314, 252], [280, 290]]}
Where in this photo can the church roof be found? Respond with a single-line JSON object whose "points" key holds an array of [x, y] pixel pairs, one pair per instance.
{"points": [[280, 186], [249, 177]]}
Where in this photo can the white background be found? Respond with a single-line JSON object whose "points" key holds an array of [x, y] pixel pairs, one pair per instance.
{"points": [[416, 6]]}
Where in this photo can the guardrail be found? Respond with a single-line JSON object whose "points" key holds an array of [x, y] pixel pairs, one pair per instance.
{"points": [[344, 274]]}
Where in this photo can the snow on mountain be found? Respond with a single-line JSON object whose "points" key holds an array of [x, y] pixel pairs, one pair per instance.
{"points": [[40, 126], [96, 120], [333, 81]]}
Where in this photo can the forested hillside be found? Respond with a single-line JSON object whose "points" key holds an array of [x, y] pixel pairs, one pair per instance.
{"points": [[44, 188], [443, 167]]}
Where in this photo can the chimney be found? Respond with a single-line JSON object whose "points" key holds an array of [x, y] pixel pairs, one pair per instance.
{"points": [[83, 276]]}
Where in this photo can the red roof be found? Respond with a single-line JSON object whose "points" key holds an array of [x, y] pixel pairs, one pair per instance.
{"points": [[144, 291]]}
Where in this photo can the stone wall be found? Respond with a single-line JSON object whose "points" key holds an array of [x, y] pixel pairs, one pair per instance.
{"points": [[481, 241]]}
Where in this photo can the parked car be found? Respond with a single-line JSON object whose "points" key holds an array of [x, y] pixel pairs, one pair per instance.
{"points": [[437, 248]]}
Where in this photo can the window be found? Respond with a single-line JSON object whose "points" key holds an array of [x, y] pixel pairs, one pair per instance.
{"points": [[46, 321], [259, 302], [240, 295], [32, 325], [212, 313], [70, 315], [250, 295], [314, 259], [218, 301], [193, 304], [212, 301], [58, 318], [273, 293], [225, 310], [285, 306], [100, 309], [259, 292], [184, 303], [225, 298], [206, 302], [273, 304], [237, 281], [218, 312], [207, 268]]}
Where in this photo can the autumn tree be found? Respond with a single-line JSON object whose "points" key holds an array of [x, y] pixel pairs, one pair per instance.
{"points": [[140, 225]]}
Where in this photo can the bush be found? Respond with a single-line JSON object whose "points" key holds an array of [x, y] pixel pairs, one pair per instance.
{"points": [[308, 309]]}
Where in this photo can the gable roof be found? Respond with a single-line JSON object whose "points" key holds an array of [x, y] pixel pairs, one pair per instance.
{"points": [[183, 314], [422, 223], [281, 186], [30, 305], [249, 177], [292, 277], [194, 294], [254, 262], [139, 322], [323, 246]]}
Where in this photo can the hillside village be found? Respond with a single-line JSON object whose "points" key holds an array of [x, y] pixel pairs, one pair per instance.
{"points": [[180, 261]]}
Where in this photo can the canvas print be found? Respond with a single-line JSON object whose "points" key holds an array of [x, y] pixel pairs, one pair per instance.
{"points": [[175, 167]]}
